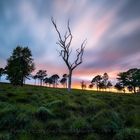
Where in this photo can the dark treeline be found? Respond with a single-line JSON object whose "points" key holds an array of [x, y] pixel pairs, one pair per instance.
{"points": [[20, 65], [129, 80]]}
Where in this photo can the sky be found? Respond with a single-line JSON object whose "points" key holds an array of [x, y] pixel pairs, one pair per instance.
{"points": [[111, 27]]}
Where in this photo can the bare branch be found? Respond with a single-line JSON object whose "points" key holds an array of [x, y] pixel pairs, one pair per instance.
{"points": [[65, 51], [79, 58], [54, 23]]}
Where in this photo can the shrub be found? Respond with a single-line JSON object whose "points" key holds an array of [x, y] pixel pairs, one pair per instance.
{"points": [[95, 105], [7, 117], [107, 121], [128, 134], [43, 113], [54, 126], [23, 100], [79, 125], [5, 136], [56, 103], [92, 136], [133, 118], [23, 120], [37, 126]]}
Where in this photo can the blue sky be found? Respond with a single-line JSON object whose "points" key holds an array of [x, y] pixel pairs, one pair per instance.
{"points": [[112, 29]]}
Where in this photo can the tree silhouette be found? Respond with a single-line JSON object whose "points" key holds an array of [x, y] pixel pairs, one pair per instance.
{"points": [[48, 81], [109, 85], [55, 78], [105, 78], [91, 85], [35, 77], [130, 78], [101, 85], [83, 85], [118, 86], [97, 80], [130, 88], [19, 65], [66, 50], [41, 74], [1, 72], [63, 81]]}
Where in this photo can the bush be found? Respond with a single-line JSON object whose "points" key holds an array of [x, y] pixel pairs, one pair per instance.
{"points": [[7, 117], [79, 125], [54, 126], [43, 113], [57, 103], [23, 100], [128, 134], [5, 136], [133, 118], [23, 120], [107, 121], [92, 136], [37, 126], [95, 105]]}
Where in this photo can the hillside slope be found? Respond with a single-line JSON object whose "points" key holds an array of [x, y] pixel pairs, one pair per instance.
{"points": [[40, 113]]}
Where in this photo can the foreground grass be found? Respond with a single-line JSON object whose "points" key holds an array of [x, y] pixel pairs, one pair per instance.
{"points": [[40, 113]]}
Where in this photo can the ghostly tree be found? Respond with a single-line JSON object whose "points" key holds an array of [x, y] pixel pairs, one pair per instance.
{"points": [[65, 44]]}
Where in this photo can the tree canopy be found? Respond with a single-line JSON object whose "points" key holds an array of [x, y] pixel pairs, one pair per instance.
{"points": [[130, 79], [19, 65]]}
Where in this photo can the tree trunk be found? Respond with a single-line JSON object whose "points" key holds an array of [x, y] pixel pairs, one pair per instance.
{"points": [[69, 80], [134, 89], [22, 80]]}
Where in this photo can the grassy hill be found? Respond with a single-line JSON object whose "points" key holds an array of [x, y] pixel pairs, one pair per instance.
{"points": [[40, 113]]}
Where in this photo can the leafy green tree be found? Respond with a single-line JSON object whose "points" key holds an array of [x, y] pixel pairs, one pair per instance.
{"points": [[19, 65]]}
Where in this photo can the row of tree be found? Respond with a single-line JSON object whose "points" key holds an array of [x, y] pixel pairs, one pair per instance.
{"points": [[41, 77], [20, 65], [129, 80]]}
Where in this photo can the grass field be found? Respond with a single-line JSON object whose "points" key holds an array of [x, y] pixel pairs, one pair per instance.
{"points": [[40, 113]]}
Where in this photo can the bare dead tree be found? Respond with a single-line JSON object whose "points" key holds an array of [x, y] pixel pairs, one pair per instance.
{"points": [[65, 44]]}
